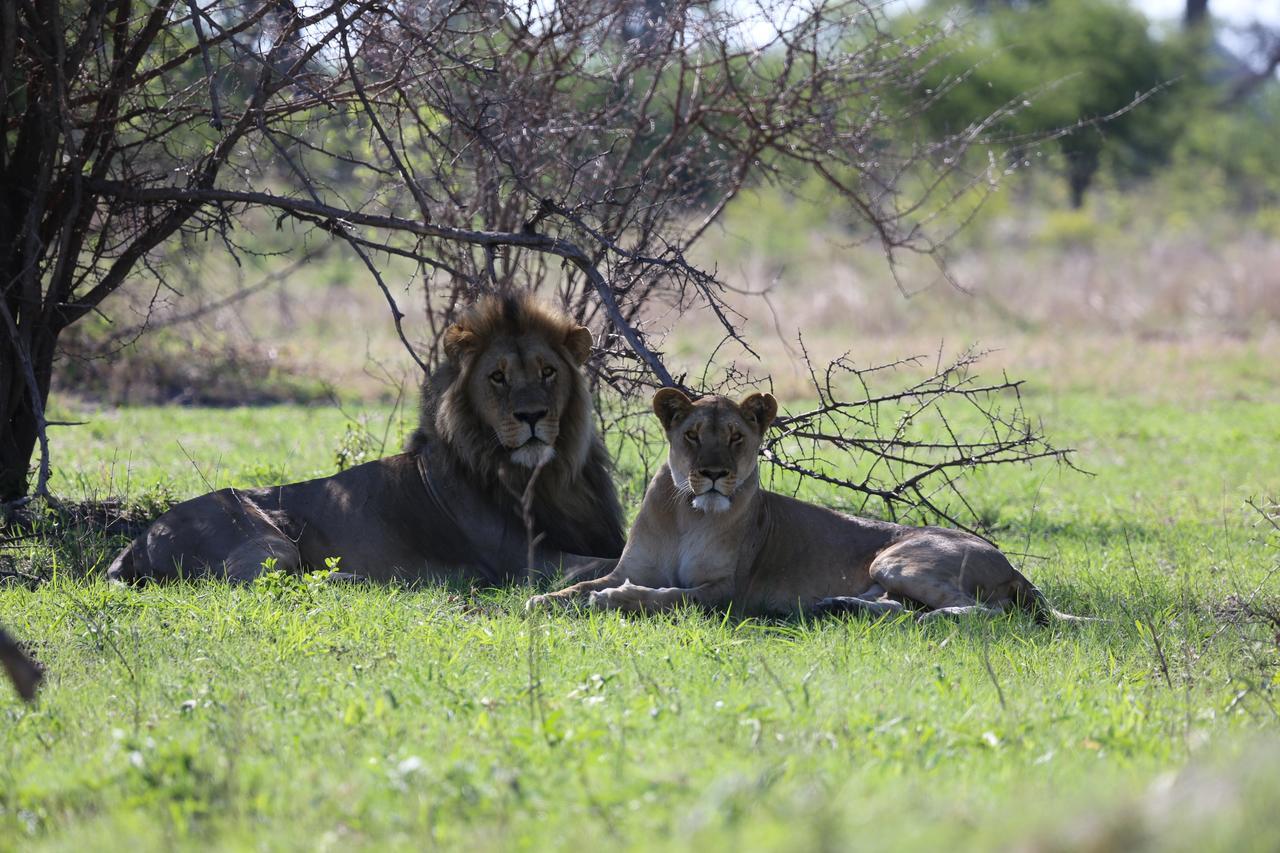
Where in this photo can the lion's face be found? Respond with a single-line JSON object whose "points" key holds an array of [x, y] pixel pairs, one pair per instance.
{"points": [[713, 443], [520, 387], [520, 384]]}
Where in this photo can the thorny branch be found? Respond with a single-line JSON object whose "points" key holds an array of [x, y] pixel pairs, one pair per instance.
{"points": [[907, 446], [215, 120], [532, 537]]}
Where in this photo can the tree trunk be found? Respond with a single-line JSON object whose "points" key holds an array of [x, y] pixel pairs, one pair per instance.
{"points": [[1078, 184], [1195, 13], [19, 427], [1082, 166]]}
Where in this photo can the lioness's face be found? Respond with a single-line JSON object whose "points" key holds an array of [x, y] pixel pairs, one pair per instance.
{"points": [[713, 443], [520, 386]]}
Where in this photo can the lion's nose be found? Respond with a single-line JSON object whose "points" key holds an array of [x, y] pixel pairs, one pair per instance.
{"points": [[531, 418], [713, 474]]}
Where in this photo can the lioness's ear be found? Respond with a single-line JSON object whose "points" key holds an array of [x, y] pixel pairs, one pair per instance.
{"points": [[761, 408], [458, 340], [669, 404], [579, 342]]}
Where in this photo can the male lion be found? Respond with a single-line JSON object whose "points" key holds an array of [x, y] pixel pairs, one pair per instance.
{"points": [[509, 397], [708, 534]]}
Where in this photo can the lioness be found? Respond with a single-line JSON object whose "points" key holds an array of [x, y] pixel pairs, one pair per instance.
{"points": [[510, 395], [708, 534]]}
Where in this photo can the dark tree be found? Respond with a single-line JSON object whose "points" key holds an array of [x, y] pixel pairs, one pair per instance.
{"points": [[578, 148], [1195, 13]]}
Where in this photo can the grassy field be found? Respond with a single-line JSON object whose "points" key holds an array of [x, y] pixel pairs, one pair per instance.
{"points": [[292, 714]]}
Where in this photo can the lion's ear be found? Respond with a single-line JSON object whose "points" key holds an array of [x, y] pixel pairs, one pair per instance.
{"points": [[458, 340], [579, 342], [670, 404], [761, 408]]}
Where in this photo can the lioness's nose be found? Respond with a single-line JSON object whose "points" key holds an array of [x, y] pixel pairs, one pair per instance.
{"points": [[531, 418], [713, 474]]}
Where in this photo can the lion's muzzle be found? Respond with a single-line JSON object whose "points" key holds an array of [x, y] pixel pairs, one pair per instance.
{"points": [[712, 489], [523, 430], [531, 437]]}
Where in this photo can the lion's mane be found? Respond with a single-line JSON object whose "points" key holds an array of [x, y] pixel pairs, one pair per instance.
{"points": [[575, 502]]}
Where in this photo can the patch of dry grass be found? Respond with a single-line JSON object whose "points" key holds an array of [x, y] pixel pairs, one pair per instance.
{"points": [[1178, 315]]}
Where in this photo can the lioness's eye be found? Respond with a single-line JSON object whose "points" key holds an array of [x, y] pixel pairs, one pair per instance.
{"points": [[691, 436], [497, 377], [548, 372]]}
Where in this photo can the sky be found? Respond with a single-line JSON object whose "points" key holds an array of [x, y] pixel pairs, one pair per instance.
{"points": [[1231, 11], [1234, 11]]}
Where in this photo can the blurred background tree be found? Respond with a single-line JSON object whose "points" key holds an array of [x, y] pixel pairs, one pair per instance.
{"points": [[1076, 70], [1068, 69]]}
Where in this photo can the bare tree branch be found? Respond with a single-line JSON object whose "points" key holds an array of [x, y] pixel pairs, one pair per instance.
{"points": [[902, 442], [340, 217], [215, 121]]}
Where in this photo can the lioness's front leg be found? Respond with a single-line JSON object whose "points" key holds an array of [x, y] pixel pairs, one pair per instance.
{"points": [[566, 596], [632, 598]]}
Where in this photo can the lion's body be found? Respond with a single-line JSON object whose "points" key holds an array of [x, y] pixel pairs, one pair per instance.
{"points": [[449, 507], [707, 533]]}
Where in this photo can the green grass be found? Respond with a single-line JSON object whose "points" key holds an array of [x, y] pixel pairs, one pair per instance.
{"points": [[293, 714]]}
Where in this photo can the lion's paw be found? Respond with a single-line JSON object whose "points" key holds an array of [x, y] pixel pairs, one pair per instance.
{"points": [[615, 598], [550, 601]]}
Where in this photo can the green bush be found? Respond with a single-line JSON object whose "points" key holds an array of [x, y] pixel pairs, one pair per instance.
{"points": [[1058, 69]]}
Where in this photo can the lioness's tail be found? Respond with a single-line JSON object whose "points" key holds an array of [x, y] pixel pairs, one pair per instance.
{"points": [[1029, 596]]}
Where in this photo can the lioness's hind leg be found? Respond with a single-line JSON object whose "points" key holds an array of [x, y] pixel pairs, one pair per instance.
{"points": [[932, 570], [927, 569]]}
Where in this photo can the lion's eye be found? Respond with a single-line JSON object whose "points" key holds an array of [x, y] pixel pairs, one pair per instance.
{"points": [[497, 377], [548, 372], [691, 436]]}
